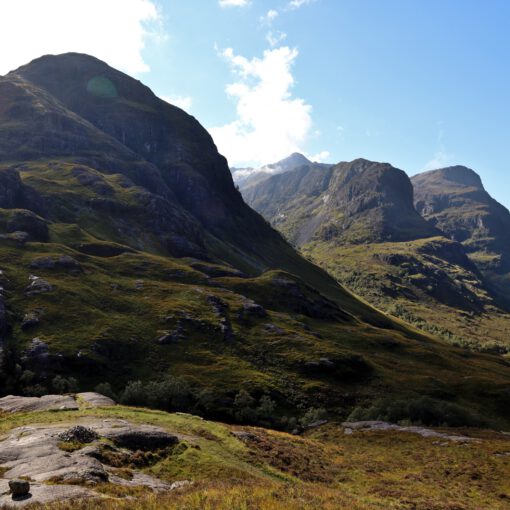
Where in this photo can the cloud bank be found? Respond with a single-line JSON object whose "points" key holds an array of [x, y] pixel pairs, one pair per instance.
{"points": [[112, 30]]}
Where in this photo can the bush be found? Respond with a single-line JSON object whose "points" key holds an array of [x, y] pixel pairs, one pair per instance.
{"points": [[106, 390], [418, 411], [243, 403], [134, 394], [170, 394], [312, 416], [64, 385]]}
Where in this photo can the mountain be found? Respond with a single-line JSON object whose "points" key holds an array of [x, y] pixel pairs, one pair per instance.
{"points": [[358, 221], [454, 200], [127, 254], [360, 201], [246, 177]]}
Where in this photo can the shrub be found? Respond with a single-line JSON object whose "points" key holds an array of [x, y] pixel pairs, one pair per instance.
{"points": [[242, 406], [134, 394], [106, 390], [312, 415], [266, 407], [418, 411], [64, 385]]}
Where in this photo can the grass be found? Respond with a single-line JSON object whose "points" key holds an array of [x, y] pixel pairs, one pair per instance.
{"points": [[323, 469], [104, 320], [435, 295]]}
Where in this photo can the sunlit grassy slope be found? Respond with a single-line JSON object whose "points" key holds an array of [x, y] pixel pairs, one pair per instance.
{"points": [[324, 469]]}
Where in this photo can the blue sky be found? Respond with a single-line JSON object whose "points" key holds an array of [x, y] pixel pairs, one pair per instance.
{"points": [[417, 83]]}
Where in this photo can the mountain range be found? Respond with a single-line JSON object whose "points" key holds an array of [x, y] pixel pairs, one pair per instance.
{"points": [[432, 249], [128, 256]]}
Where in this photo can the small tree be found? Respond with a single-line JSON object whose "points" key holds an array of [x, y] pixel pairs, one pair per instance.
{"points": [[106, 390], [242, 404], [134, 394], [266, 407], [312, 415], [64, 385]]}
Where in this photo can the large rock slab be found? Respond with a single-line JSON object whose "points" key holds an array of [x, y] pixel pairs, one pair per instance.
{"points": [[15, 404], [35, 451], [92, 399], [350, 427], [43, 494]]}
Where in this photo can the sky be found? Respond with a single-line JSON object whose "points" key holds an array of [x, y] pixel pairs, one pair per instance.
{"points": [[420, 84]]}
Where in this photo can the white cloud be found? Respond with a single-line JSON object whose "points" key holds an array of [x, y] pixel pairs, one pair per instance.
{"points": [[183, 102], [275, 38], [269, 17], [296, 4], [441, 159], [321, 157], [270, 124], [113, 30], [234, 3]]}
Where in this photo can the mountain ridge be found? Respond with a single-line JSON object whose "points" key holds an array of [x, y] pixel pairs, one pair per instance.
{"points": [[358, 220]]}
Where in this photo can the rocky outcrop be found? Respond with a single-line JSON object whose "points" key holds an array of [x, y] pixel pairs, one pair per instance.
{"points": [[93, 399], [63, 262], [36, 452], [382, 426], [16, 404], [21, 220], [143, 438]]}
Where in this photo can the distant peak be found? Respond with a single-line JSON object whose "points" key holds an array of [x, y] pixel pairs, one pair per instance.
{"points": [[295, 158], [457, 174]]}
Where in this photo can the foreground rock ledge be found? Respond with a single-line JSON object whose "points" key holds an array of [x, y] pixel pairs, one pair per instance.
{"points": [[35, 452]]}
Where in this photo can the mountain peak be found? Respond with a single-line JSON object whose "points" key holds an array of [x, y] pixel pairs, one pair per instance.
{"points": [[457, 174], [295, 160]]}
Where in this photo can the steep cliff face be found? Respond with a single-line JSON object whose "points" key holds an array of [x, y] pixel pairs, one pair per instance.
{"points": [[357, 202], [156, 131], [454, 200]]}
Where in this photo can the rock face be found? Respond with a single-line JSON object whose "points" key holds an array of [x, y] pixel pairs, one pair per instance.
{"points": [[360, 201], [454, 200], [15, 404]]}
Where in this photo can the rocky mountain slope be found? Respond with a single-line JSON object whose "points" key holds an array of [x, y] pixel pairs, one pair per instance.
{"points": [[128, 257], [358, 221], [454, 200]]}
